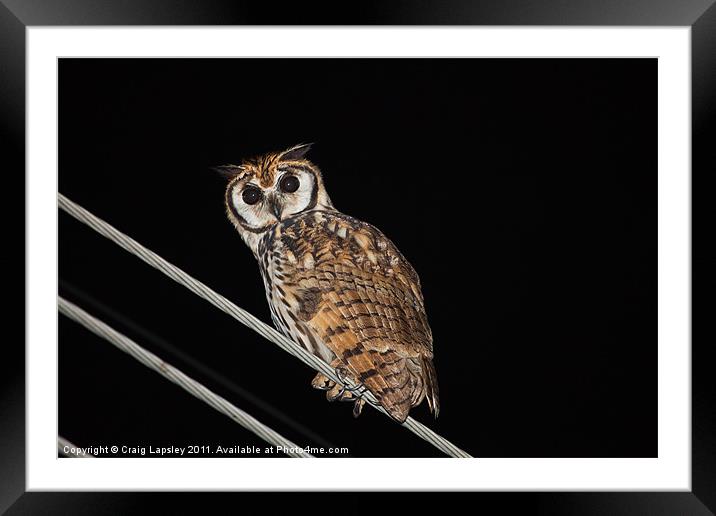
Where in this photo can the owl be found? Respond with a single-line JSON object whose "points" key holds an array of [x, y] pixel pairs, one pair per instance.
{"points": [[335, 285]]}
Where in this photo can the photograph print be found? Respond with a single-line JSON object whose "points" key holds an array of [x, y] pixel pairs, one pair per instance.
{"points": [[469, 244]]}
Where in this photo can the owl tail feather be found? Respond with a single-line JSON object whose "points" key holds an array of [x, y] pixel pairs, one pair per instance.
{"points": [[431, 386]]}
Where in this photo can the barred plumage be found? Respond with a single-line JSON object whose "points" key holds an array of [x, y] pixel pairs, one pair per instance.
{"points": [[335, 285]]}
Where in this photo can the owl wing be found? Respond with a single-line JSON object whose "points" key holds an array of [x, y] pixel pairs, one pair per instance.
{"points": [[362, 298]]}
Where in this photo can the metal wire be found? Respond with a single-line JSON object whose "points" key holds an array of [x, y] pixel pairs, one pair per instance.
{"points": [[183, 360], [244, 317], [63, 443], [173, 374]]}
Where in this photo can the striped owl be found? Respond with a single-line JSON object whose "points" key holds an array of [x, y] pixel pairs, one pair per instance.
{"points": [[336, 286]]}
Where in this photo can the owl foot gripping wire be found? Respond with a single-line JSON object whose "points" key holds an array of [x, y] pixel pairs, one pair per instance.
{"points": [[341, 391]]}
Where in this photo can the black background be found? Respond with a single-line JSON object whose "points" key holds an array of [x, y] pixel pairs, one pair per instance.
{"points": [[523, 192]]}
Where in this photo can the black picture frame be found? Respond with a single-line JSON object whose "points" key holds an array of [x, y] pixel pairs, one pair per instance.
{"points": [[700, 15]]}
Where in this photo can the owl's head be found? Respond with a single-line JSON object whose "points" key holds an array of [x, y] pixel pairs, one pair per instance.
{"points": [[267, 189]]}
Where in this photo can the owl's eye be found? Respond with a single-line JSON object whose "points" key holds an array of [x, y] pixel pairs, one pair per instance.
{"points": [[251, 195], [289, 184]]}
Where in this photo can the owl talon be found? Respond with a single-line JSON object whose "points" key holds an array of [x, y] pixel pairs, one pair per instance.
{"points": [[354, 394], [351, 393], [358, 406], [347, 395], [334, 392], [341, 392], [341, 374], [360, 389]]}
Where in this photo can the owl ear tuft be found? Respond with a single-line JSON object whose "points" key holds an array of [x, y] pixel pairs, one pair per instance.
{"points": [[228, 171], [296, 153]]}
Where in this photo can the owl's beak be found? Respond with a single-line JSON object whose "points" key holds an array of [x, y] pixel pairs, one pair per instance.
{"points": [[275, 206]]}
